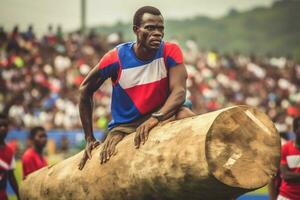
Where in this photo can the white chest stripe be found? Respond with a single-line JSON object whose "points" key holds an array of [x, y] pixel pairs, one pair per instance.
{"points": [[144, 74], [293, 161], [4, 165]]}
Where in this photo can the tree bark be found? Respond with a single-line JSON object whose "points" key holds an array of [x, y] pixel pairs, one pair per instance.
{"points": [[219, 155]]}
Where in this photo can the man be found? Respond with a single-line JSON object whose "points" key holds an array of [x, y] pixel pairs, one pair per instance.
{"points": [[7, 161], [274, 185], [290, 167], [33, 158], [149, 85]]}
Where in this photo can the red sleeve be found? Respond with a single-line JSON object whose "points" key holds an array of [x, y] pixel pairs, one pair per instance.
{"points": [[284, 153], [109, 65], [172, 54]]}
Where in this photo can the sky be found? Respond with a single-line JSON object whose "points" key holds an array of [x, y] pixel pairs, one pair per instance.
{"points": [[66, 13]]}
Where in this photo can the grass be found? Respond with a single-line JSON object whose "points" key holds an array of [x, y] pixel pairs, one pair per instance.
{"points": [[19, 173]]}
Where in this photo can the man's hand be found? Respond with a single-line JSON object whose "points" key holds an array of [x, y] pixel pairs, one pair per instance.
{"points": [[142, 132], [109, 146], [90, 145]]}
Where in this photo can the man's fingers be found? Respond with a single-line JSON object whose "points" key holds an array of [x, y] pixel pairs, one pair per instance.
{"points": [[82, 161], [109, 150], [142, 135], [146, 132], [112, 150], [137, 141], [88, 152], [104, 156], [136, 137], [95, 144], [101, 157]]}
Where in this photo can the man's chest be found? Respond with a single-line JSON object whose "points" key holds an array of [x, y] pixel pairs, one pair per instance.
{"points": [[143, 74]]}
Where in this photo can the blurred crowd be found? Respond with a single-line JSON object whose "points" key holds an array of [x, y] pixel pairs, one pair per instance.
{"points": [[268, 83], [39, 79]]}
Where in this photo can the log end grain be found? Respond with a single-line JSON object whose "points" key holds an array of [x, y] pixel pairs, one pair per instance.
{"points": [[243, 148]]}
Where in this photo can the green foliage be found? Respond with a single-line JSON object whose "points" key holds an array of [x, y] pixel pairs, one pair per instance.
{"points": [[272, 31]]}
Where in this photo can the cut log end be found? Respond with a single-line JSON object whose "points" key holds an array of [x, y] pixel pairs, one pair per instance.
{"points": [[236, 137]]}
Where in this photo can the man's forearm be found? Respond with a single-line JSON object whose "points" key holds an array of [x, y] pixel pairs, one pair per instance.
{"points": [[173, 103], [86, 115]]}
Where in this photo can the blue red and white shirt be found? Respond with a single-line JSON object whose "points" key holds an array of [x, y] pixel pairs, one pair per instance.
{"points": [[7, 163], [290, 156], [139, 87]]}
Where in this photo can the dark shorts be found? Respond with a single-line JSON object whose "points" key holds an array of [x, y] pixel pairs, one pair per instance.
{"points": [[131, 127], [128, 128]]}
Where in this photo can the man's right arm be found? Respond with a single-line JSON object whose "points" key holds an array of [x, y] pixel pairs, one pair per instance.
{"points": [[90, 84], [108, 67]]}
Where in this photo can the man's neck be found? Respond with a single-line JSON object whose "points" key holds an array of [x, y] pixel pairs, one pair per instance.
{"points": [[2, 143], [38, 150], [143, 53]]}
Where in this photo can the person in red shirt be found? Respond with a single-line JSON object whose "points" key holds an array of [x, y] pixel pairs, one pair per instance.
{"points": [[33, 158], [7, 161], [290, 167]]}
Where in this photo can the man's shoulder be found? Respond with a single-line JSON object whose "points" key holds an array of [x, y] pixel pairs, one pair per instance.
{"points": [[171, 49], [289, 147], [29, 153], [289, 144], [113, 53], [170, 44], [7, 150], [125, 45]]}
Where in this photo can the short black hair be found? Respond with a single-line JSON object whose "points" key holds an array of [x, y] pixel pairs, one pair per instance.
{"points": [[3, 116], [296, 123], [34, 131], [141, 11]]}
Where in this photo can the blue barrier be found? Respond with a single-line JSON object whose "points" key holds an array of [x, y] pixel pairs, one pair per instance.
{"points": [[253, 197], [74, 136]]}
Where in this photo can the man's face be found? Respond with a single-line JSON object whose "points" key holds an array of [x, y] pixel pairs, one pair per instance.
{"points": [[40, 139], [151, 31], [3, 128]]}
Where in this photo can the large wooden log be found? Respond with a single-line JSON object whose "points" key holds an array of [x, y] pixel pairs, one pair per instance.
{"points": [[219, 155]]}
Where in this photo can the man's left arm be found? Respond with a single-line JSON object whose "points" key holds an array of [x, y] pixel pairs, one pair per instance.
{"points": [[13, 181], [177, 85]]}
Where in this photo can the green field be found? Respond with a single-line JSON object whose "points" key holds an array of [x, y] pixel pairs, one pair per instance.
{"points": [[19, 173]]}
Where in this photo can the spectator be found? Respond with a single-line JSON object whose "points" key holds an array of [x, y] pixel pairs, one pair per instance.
{"points": [[7, 161], [275, 183], [290, 167], [33, 158]]}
